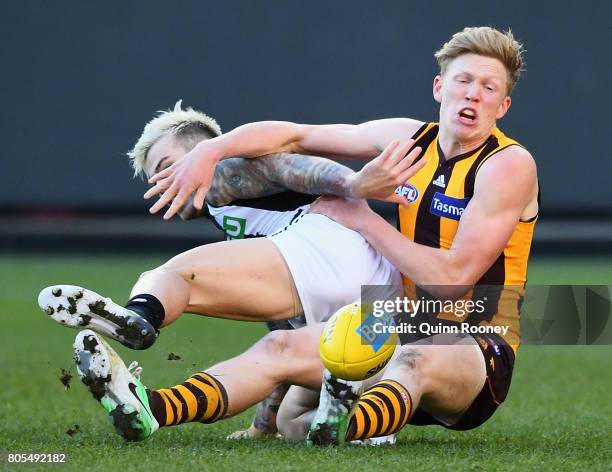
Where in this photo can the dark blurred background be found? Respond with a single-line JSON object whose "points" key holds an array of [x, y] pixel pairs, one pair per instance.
{"points": [[80, 79]]}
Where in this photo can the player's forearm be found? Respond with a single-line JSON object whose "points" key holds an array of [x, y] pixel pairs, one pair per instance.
{"points": [[308, 174], [238, 178], [435, 268], [253, 140]]}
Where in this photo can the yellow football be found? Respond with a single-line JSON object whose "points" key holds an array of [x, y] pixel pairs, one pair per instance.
{"points": [[353, 348]]}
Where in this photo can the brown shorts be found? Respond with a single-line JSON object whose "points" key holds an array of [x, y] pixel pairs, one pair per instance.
{"points": [[499, 359]]}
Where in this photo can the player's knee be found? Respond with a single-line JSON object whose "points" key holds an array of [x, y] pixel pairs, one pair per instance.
{"points": [[146, 275], [276, 343], [411, 360], [168, 270]]}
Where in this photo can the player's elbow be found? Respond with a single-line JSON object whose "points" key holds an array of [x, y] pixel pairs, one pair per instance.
{"points": [[456, 280]]}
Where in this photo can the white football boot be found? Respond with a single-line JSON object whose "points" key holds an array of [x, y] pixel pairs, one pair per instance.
{"points": [[337, 402], [80, 308], [118, 388]]}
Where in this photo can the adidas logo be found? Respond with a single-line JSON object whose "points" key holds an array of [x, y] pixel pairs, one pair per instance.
{"points": [[440, 182]]}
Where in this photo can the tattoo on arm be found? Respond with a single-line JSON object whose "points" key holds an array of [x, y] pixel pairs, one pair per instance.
{"points": [[307, 174], [235, 179], [239, 178]]}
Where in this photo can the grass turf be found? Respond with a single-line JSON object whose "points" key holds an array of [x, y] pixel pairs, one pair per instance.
{"points": [[557, 416]]}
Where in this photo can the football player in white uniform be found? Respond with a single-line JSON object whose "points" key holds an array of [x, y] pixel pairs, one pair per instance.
{"points": [[299, 270]]}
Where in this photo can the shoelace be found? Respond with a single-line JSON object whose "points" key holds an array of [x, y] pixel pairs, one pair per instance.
{"points": [[135, 369]]}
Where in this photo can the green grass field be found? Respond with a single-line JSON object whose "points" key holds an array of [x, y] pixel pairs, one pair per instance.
{"points": [[558, 414]]}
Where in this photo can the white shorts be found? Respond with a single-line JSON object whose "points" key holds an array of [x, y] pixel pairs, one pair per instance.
{"points": [[329, 264]]}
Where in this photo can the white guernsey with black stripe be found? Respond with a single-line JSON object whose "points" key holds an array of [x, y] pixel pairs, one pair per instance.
{"points": [[260, 216]]}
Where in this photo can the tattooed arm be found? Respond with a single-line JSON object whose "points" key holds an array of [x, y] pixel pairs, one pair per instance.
{"points": [[238, 178], [235, 178]]}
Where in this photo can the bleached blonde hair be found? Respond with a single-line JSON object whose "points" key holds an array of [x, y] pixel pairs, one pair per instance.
{"points": [[485, 41], [189, 125]]}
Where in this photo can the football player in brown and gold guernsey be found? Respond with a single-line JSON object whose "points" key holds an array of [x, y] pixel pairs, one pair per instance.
{"points": [[470, 221]]}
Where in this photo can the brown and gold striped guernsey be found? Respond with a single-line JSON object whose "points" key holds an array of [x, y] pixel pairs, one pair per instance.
{"points": [[439, 193]]}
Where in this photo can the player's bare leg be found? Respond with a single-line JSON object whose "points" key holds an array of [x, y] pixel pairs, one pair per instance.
{"points": [[442, 378], [225, 389], [242, 279], [264, 423], [290, 356]]}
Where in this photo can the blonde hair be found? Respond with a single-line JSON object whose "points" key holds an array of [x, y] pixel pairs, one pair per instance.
{"points": [[485, 41], [190, 125]]}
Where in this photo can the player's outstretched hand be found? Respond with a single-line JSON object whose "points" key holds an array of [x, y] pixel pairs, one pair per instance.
{"points": [[379, 178], [193, 173]]}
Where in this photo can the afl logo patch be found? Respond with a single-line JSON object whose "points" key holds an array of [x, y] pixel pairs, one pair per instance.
{"points": [[409, 191]]}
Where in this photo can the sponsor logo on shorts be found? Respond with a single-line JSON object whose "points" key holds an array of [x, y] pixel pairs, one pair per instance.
{"points": [[448, 207], [409, 191]]}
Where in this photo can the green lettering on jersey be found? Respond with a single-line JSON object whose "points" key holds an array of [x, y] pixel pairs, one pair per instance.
{"points": [[234, 227]]}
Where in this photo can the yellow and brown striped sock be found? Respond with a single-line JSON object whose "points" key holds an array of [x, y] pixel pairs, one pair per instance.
{"points": [[381, 410], [200, 398]]}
